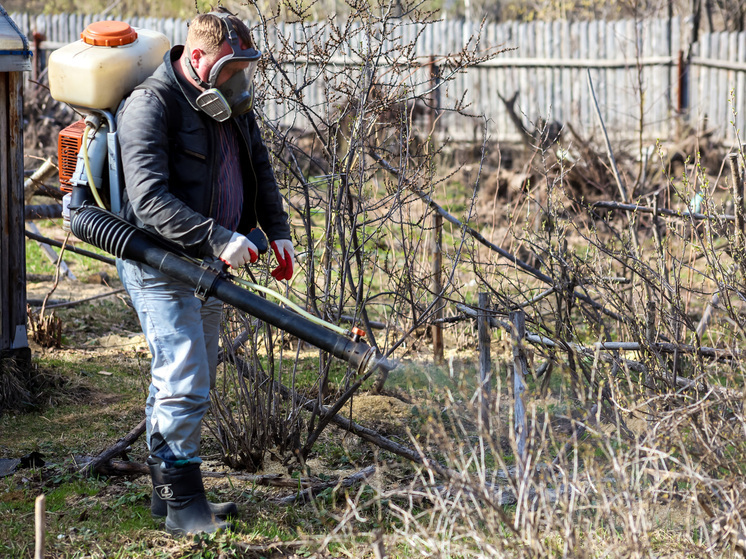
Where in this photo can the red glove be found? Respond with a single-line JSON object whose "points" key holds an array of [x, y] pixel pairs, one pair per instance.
{"points": [[284, 253]]}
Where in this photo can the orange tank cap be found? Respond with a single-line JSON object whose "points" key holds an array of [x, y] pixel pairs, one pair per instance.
{"points": [[109, 34]]}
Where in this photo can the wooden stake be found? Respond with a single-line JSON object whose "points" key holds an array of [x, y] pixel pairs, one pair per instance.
{"points": [[738, 234], [437, 329], [41, 526], [518, 320], [485, 361]]}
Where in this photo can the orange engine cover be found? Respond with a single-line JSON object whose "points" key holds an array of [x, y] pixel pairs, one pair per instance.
{"points": [[68, 146]]}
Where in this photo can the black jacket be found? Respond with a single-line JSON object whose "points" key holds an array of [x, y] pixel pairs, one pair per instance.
{"points": [[170, 162]]}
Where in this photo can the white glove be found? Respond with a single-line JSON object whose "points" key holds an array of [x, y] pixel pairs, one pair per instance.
{"points": [[239, 251]]}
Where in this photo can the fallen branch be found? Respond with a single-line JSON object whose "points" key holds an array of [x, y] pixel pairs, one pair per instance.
{"points": [[661, 211], [310, 492], [63, 304], [102, 460], [662, 347]]}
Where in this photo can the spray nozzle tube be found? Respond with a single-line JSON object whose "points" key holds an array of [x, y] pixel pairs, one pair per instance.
{"points": [[116, 236]]}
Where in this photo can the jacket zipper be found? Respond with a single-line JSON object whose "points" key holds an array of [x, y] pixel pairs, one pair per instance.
{"points": [[253, 172], [214, 167]]}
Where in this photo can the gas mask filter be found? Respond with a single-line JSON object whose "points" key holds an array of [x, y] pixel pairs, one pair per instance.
{"points": [[234, 96]]}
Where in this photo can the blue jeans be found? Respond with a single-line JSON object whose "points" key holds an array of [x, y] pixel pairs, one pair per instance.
{"points": [[183, 334]]}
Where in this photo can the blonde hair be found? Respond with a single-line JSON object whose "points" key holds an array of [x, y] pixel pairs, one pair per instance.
{"points": [[208, 32]]}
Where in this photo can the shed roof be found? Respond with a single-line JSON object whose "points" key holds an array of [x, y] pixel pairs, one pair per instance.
{"points": [[15, 55]]}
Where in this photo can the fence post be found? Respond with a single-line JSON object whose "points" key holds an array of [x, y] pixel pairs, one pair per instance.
{"points": [[39, 58], [518, 320], [650, 337], [485, 360], [436, 329], [13, 333]]}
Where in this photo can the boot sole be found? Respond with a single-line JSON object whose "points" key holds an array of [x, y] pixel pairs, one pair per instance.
{"points": [[222, 527]]}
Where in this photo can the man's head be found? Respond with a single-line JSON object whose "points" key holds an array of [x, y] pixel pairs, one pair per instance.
{"points": [[220, 55], [214, 36], [208, 32]]}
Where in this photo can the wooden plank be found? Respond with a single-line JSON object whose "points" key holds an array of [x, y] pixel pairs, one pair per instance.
{"points": [[574, 75], [583, 99], [555, 90], [714, 98], [543, 37], [612, 102], [733, 93], [8, 248], [565, 94], [704, 83], [711, 101], [13, 337], [595, 49], [457, 43], [512, 29], [490, 99], [628, 98], [524, 99], [650, 88], [673, 78], [18, 269], [722, 116], [534, 108]]}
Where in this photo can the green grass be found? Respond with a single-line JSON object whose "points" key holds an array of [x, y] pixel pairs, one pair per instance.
{"points": [[37, 261]]}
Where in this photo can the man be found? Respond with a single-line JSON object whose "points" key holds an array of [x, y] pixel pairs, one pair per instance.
{"points": [[198, 175]]}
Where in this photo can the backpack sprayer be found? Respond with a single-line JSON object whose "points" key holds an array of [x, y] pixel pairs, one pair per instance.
{"points": [[93, 75]]}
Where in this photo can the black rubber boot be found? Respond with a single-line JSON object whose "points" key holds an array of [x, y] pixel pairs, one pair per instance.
{"points": [[159, 507], [182, 491]]}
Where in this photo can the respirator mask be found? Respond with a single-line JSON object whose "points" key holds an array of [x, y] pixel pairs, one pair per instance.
{"points": [[235, 96]]}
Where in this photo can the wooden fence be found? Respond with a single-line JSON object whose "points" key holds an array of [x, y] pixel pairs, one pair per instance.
{"points": [[644, 73]]}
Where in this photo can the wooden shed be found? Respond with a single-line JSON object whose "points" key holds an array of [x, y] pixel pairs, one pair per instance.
{"points": [[15, 58]]}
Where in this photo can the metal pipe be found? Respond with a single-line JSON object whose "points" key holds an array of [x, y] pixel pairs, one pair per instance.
{"points": [[116, 236]]}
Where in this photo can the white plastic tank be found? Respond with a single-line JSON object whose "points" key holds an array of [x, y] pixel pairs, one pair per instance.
{"points": [[108, 62]]}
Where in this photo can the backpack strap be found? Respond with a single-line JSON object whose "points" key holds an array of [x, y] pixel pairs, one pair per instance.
{"points": [[166, 97], [173, 118]]}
